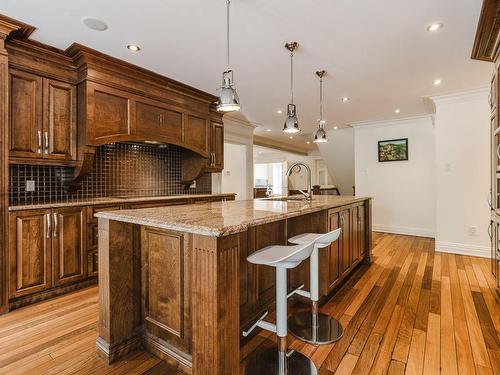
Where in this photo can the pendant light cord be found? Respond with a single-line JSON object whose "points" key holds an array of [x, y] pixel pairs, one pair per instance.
{"points": [[291, 77], [320, 100], [227, 34]]}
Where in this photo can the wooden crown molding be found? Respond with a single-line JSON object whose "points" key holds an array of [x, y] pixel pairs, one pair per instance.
{"points": [[487, 40], [10, 27]]}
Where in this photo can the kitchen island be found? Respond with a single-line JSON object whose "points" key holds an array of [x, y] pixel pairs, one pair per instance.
{"points": [[175, 280]]}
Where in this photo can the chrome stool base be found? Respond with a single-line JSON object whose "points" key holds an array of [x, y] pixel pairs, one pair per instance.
{"points": [[326, 331], [267, 362]]}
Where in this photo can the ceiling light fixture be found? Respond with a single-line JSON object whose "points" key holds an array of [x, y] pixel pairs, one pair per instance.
{"points": [[320, 134], [436, 82], [345, 99], [133, 47], [397, 110], [308, 142], [291, 137], [279, 111], [434, 27], [291, 122], [335, 127], [94, 23], [228, 97], [268, 130]]}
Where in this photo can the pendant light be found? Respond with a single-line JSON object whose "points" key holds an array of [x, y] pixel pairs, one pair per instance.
{"points": [[228, 97], [320, 134], [291, 122]]}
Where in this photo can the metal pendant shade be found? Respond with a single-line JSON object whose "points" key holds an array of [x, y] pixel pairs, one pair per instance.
{"points": [[228, 97], [291, 122], [320, 134]]}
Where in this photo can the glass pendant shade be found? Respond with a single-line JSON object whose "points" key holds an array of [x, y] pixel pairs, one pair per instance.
{"points": [[291, 122], [228, 97], [320, 135]]}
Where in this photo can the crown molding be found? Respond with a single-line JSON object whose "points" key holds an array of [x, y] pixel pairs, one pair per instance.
{"points": [[461, 96], [394, 122], [277, 145], [240, 121]]}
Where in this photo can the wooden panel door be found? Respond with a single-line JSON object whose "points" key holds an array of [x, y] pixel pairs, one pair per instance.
{"points": [[355, 235], [59, 128], [30, 252], [69, 255], [196, 131], [25, 115], [109, 112], [153, 122], [335, 251], [217, 143], [345, 239]]}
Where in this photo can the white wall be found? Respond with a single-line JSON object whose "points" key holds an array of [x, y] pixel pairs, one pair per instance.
{"points": [[462, 172], [403, 191], [338, 154], [234, 177]]}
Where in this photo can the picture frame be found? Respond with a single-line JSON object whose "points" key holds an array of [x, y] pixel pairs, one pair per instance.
{"points": [[393, 150]]}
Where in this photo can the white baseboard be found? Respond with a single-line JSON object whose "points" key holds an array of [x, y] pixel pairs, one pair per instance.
{"points": [[462, 249], [403, 230]]}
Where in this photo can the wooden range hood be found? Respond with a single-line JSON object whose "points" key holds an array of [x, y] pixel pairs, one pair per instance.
{"points": [[120, 102]]}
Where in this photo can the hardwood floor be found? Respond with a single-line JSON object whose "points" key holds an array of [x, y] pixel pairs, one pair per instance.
{"points": [[413, 311]]}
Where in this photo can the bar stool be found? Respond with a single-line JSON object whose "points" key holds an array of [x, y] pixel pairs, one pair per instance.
{"points": [[280, 361], [312, 326]]}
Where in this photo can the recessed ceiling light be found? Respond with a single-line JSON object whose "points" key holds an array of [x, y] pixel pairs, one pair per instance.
{"points": [[94, 23], [345, 99], [290, 137], [436, 82], [397, 110], [308, 142], [434, 27], [133, 47], [335, 127], [268, 130], [279, 111]]}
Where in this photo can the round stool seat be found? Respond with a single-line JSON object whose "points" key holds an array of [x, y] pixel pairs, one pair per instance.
{"points": [[320, 239], [282, 256]]}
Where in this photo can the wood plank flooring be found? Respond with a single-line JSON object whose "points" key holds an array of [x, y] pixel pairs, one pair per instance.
{"points": [[413, 311]]}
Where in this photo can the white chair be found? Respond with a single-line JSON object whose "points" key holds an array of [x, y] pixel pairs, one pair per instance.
{"points": [[280, 361], [312, 326]]}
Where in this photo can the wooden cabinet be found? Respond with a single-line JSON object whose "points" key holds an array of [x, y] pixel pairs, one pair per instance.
{"points": [[334, 252], [46, 249], [68, 250], [156, 122], [42, 118], [196, 134], [30, 252], [25, 125], [216, 158]]}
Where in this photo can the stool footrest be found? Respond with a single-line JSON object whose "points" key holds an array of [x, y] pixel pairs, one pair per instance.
{"points": [[261, 323], [300, 292]]}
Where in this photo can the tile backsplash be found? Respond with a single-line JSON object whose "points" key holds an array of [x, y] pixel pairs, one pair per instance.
{"points": [[120, 170]]}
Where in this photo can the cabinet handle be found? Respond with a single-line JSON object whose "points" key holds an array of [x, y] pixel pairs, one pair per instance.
{"points": [[46, 136], [489, 229], [56, 229], [39, 142], [161, 119], [47, 216]]}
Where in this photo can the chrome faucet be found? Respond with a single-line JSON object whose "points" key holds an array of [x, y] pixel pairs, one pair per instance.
{"points": [[297, 166]]}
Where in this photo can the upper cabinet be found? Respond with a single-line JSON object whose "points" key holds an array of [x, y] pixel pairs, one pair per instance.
{"points": [[42, 118], [216, 159]]}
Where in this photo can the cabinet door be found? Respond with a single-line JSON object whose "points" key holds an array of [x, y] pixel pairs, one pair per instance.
{"points": [[25, 125], [355, 235], [109, 113], [335, 250], [362, 231], [345, 239], [153, 122], [59, 128], [217, 146], [69, 258], [30, 252], [196, 134]]}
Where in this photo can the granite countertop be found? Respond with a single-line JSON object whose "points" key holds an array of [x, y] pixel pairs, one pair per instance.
{"points": [[114, 200], [224, 218]]}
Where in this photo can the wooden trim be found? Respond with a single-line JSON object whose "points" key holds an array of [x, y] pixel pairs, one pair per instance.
{"points": [[7, 27], [269, 143], [487, 40]]}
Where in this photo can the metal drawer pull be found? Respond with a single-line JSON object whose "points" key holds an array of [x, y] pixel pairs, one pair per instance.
{"points": [[47, 216], [46, 134], [56, 229], [489, 229], [39, 142]]}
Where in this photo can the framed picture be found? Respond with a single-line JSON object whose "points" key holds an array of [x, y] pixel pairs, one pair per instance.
{"points": [[393, 150]]}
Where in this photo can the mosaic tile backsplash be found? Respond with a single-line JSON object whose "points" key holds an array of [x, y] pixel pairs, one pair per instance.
{"points": [[120, 170]]}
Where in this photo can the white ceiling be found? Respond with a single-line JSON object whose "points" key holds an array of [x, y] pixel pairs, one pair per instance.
{"points": [[378, 53]]}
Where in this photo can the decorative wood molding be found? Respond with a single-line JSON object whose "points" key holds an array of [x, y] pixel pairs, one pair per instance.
{"points": [[487, 41]]}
